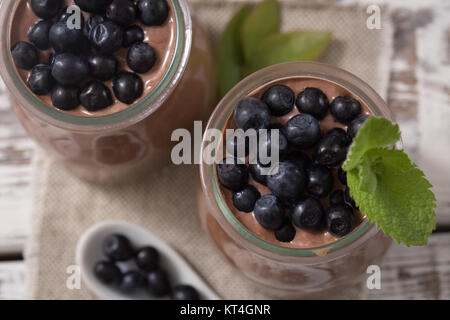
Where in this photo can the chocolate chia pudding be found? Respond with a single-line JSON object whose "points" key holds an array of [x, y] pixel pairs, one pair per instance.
{"points": [[101, 131], [297, 231], [304, 238]]}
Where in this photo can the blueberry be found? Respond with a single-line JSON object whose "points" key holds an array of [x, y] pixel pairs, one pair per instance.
{"points": [[40, 79], [336, 197], [147, 258], [94, 20], [265, 142], [269, 212], [131, 35], [39, 34], [349, 199], [286, 233], [51, 58], [251, 113], [282, 142], [345, 109], [64, 39], [185, 292], [64, 17], [314, 102], [302, 131], [65, 98], [256, 171], [93, 6], [153, 12], [158, 283], [25, 55], [141, 57], [106, 37], [102, 67], [85, 48], [122, 12], [354, 126], [308, 213], [233, 175], [346, 139], [131, 281], [300, 159], [288, 184], [127, 87], [95, 96], [340, 220], [238, 146], [117, 247], [331, 150], [342, 175], [69, 69], [280, 99], [245, 199], [46, 9], [107, 272], [319, 180]]}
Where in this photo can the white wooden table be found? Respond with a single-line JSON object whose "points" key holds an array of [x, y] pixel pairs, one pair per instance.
{"points": [[420, 79]]}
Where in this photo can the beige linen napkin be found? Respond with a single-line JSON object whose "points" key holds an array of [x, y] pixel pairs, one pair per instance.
{"points": [[66, 206]]}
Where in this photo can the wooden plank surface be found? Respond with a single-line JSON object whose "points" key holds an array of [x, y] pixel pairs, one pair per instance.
{"points": [[12, 280], [16, 151], [416, 272]]}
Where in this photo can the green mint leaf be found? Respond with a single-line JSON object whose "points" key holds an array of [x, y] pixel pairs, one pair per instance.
{"points": [[375, 133], [367, 177], [289, 46], [401, 204], [263, 21], [230, 60]]}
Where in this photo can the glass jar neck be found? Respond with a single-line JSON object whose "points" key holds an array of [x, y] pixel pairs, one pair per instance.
{"points": [[138, 111], [219, 119]]}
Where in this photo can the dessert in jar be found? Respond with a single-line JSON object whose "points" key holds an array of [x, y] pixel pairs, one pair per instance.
{"points": [[102, 85], [295, 230]]}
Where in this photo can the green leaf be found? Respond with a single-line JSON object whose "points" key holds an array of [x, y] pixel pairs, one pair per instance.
{"points": [[367, 177], [375, 133], [230, 60], [263, 21], [401, 204], [289, 46]]}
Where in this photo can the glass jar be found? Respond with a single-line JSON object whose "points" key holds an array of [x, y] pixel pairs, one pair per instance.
{"points": [[286, 271], [132, 142]]}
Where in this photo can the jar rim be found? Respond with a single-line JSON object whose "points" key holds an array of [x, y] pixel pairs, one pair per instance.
{"points": [[224, 109], [130, 115]]}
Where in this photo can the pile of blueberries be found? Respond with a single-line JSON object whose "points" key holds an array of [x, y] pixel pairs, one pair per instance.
{"points": [[149, 276], [301, 183], [81, 61]]}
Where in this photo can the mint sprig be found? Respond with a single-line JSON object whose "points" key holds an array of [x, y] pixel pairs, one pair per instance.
{"points": [[252, 40], [289, 46], [263, 21], [387, 186], [230, 59]]}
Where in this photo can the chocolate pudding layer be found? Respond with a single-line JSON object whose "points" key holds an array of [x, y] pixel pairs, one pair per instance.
{"points": [[304, 238], [161, 38]]}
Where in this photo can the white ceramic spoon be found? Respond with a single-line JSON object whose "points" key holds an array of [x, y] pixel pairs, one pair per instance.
{"points": [[89, 252]]}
